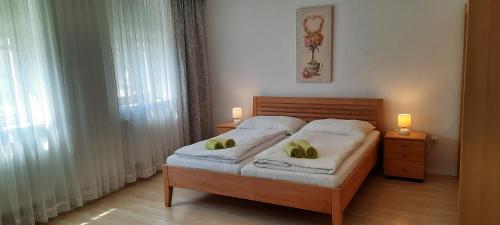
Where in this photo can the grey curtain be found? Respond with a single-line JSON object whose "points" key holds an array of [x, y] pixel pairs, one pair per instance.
{"points": [[195, 86]]}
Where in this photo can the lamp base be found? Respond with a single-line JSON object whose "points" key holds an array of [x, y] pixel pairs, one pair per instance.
{"points": [[404, 131], [236, 121]]}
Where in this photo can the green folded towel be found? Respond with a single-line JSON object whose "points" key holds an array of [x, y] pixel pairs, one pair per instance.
{"points": [[293, 150], [309, 151], [292, 143], [219, 143], [226, 142], [213, 144]]}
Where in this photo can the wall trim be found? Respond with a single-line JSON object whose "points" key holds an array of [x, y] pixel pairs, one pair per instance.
{"points": [[441, 172]]}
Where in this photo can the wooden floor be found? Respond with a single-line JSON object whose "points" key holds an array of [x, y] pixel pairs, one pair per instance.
{"points": [[379, 201]]}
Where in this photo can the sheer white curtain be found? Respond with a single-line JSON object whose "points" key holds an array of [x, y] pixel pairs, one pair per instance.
{"points": [[144, 53], [37, 173], [92, 105], [120, 71], [89, 100]]}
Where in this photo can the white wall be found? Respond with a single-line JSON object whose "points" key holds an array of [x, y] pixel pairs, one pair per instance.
{"points": [[406, 52]]}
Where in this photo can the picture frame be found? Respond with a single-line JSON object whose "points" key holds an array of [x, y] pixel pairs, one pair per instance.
{"points": [[314, 44]]}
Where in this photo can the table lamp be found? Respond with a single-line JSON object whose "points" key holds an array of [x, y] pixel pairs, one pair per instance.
{"points": [[404, 123], [237, 112]]}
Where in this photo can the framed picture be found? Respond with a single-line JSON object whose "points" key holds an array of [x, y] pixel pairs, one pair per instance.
{"points": [[314, 44]]}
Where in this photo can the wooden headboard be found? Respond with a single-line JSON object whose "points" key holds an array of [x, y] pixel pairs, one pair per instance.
{"points": [[308, 109]]}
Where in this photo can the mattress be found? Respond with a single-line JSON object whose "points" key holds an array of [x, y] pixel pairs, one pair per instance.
{"points": [[232, 168], [323, 180]]}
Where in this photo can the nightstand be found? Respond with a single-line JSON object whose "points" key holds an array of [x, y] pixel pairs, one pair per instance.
{"points": [[404, 156], [225, 127]]}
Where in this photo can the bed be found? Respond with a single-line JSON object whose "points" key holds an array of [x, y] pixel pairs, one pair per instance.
{"points": [[330, 199]]}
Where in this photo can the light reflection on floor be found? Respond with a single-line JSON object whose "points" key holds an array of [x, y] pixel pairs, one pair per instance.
{"points": [[99, 216]]}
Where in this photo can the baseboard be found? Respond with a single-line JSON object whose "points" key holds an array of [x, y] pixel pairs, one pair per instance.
{"points": [[441, 172]]}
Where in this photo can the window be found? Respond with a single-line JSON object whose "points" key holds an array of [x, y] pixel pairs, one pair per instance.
{"points": [[143, 55], [23, 99]]}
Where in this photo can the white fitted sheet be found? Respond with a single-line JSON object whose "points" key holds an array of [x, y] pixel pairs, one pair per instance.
{"points": [[232, 168], [323, 180]]}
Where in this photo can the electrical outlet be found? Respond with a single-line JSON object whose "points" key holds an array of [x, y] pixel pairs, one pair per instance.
{"points": [[434, 139]]}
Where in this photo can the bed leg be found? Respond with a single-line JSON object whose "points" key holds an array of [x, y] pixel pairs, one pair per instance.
{"points": [[337, 212], [168, 196], [167, 189]]}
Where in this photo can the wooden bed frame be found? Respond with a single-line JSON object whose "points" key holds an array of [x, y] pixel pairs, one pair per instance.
{"points": [[319, 199]]}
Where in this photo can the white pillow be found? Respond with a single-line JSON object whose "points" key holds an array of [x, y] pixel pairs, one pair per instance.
{"points": [[341, 127], [290, 124]]}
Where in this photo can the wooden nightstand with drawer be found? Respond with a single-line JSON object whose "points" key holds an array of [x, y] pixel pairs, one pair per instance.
{"points": [[404, 156], [225, 127]]}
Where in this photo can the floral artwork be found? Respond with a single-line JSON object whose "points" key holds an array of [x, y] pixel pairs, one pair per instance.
{"points": [[314, 37], [313, 40]]}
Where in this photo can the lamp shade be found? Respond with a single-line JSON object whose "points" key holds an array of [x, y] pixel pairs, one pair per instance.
{"points": [[404, 120], [237, 112]]}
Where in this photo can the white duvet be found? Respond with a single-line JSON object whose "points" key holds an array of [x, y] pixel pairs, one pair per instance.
{"points": [[332, 151], [246, 140]]}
